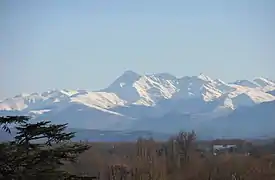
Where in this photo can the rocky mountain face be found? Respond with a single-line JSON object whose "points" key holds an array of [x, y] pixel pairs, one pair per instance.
{"points": [[155, 102]]}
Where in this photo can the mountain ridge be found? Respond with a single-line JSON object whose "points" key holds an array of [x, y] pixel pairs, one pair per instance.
{"points": [[133, 99]]}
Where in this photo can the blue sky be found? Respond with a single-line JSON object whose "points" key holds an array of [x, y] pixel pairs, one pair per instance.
{"points": [[87, 44]]}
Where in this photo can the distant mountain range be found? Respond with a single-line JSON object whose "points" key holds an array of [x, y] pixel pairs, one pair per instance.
{"points": [[159, 103]]}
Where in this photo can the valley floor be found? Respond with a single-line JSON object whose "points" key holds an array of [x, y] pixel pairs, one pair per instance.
{"points": [[147, 159]]}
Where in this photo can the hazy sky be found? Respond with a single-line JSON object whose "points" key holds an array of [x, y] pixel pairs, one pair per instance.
{"points": [[86, 44]]}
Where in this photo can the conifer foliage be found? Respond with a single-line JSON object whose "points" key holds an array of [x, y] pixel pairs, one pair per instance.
{"points": [[38, 150]]}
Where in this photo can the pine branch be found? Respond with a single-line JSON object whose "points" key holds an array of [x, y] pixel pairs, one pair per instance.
{"points": [[6, 120]]}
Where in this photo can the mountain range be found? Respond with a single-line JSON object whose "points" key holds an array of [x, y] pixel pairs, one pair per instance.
{"points": [[158, 103]]}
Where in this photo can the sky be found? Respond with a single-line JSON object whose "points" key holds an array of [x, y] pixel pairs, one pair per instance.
{"points": [[87, 44]]}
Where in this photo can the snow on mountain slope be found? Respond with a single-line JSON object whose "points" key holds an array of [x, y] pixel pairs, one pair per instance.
{"points": [[132, 96], [79, 108], [35, 100], [123, 86], [263, 82], [246, 83], [39, 103], [150, 89], [244, 96], [79, 115], [202, 86], [98, 99], [143, 89], [165, 76], [258, 83]]}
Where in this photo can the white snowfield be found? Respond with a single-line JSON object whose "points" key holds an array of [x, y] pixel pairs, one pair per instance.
{"points": [[131, 92]]}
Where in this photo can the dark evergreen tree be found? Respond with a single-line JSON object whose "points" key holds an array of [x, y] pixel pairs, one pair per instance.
{"points": [[38, 150]]}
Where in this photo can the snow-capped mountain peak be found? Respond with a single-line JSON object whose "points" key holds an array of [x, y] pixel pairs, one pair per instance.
{"points": [[22, 95], [127, 78], [131, 93], [165, 76], [36, 100], [246, 83], [263, 82], [143, 89], [204, 77]]}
